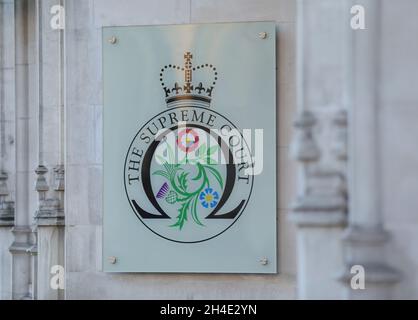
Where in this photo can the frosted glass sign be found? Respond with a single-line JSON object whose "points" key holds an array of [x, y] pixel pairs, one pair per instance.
{"points": [[190, 148]]}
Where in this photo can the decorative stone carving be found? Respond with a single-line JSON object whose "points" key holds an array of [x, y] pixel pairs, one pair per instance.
{"points": [[340, 146], [21, 243], [50, 211], [41, 184], [323, 200], [304, 148], [59, 178], [6, 207]]}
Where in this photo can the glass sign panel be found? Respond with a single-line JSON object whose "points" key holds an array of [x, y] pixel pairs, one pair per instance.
{"points": [[190, 148]]}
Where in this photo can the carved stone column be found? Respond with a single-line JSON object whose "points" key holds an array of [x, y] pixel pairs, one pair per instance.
{"points": [[320, 210], [50, 211], [49, 215], [320, 213], [7, 143], [21, 246], [50, 235], [365, 238]]}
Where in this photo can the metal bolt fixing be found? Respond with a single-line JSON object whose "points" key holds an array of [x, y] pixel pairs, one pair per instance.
{"points": [[112, 40], [263, 35]]}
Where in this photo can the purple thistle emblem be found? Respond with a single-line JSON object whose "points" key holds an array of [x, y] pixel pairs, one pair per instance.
{"points": [[163, 191]]}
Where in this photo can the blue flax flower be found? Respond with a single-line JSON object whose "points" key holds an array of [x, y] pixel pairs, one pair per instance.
{"points": [[209, 198]]}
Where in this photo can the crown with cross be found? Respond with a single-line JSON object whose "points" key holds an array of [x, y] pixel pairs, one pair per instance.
{"points": [[188, 85]]}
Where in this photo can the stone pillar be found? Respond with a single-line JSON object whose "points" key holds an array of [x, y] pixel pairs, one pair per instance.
{"points": [[320, 209], [49, 215], [21, 230], [365, 238], [7, 145], [24, 248], [50, 240]]}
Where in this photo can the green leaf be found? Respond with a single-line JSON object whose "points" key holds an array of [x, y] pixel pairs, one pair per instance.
{"points": [[161, 159], [183, 161], [211, 161], [170, 168], [199, 174], [171, 157], [182, 180], [192, 161], [205, 176], [216, 174], [193, 210], [161, 173], [201, 151], [182, 217], [212, 150]]}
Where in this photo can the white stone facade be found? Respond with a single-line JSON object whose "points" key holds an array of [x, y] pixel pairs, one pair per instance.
{"points": [[346, 169]]}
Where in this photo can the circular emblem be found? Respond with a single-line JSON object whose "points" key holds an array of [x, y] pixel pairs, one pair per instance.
{"points": [[188, 171], [188, 182]]}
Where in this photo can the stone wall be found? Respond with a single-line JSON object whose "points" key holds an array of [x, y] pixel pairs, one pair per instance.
{"points": [[7, 146], [352, 195], [84, 278]]}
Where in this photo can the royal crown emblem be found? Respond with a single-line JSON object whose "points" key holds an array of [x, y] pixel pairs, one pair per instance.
{"points": [[188, 85]]}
